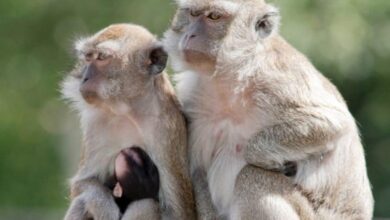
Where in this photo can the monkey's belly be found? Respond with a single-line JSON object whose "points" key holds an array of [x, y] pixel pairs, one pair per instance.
{"points": [[218, 146]]}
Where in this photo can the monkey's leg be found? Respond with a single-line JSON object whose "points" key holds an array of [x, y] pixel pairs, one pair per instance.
{"points": [[204, 206], [145, 209], [268, 195]]}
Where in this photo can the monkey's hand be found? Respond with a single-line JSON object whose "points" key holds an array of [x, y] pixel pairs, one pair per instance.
{"points": [[304, 133], [145, 209], [288, 168], [95, 202], [77, 210], [254, 155]]}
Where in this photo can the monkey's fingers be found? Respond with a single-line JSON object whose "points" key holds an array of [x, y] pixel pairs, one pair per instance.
{"points": [[118, 190]]}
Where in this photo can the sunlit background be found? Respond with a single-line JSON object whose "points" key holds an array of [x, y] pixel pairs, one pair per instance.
{"points": [[348, 40]]}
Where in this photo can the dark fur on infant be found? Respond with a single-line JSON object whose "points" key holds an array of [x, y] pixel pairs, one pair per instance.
{"points": [[136, 177]]}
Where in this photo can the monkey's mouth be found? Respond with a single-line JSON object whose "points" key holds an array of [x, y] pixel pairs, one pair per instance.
{"points": [[197, 57], [90, 97]]}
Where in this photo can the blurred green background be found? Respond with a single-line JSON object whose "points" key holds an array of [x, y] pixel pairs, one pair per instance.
{"points": [[39, 136]]}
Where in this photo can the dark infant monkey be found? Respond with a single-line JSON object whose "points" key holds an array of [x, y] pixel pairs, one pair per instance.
{"points": [[136, 177]]}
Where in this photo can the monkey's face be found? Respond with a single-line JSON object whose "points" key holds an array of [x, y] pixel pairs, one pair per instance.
{"points": [[117, 64], [196, 34], [203, 32]]}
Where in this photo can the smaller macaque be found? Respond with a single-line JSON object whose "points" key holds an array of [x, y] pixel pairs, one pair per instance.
{"points": [[134, 154]]}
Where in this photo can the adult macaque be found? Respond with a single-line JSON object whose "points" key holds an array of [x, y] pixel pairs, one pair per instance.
{"points": [[255, 106]]}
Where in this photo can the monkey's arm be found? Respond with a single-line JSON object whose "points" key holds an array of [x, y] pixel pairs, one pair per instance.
{"points": [[92, 199], [297, 134], [176, 192]]}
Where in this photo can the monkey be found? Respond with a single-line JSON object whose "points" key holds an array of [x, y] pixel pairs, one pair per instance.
{"points": [[270, 137], [128, 112]]}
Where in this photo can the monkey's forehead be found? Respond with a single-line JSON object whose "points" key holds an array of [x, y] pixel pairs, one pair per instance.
{"points": [[112, 32], [115, 36], [120, 31], [230, 6], [227, 5]]}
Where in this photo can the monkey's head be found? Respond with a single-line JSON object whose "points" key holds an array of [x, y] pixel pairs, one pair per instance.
{"points": [[206, 33], [114, 66]]}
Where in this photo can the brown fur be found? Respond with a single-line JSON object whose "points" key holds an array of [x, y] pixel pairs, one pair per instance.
{"points": [[113, 33]]}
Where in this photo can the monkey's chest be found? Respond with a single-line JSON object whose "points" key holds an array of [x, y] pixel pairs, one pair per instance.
{"points": [[108, 140], [219, 131]]}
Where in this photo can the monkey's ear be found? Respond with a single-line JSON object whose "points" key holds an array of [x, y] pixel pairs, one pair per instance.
{"points": [[268, 23], [158, 60]]}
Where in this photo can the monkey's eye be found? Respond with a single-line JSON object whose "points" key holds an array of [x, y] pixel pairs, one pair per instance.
{"points": [[88, 56], [102, 56], [214, 16], [195, 13]]}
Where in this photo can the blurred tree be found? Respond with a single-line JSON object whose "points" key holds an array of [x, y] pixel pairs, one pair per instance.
{"points": [[347, 40]]}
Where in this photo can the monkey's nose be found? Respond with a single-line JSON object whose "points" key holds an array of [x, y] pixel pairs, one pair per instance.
{"points": [[189, 37], [85, 79], [90, 72]]}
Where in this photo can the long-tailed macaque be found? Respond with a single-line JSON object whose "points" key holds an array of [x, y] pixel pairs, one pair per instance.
{"points": [[134, 135], [270, 136]]}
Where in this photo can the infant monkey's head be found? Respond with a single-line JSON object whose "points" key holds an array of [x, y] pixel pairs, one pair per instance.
{"points": [[115, 65]]}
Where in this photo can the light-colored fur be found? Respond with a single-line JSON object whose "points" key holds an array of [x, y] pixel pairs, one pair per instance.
{"points": [[264, 105], [151, 121], [145, 209]]}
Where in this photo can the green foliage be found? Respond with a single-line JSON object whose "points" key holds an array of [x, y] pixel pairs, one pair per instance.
{"points": [[347, 40]]}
